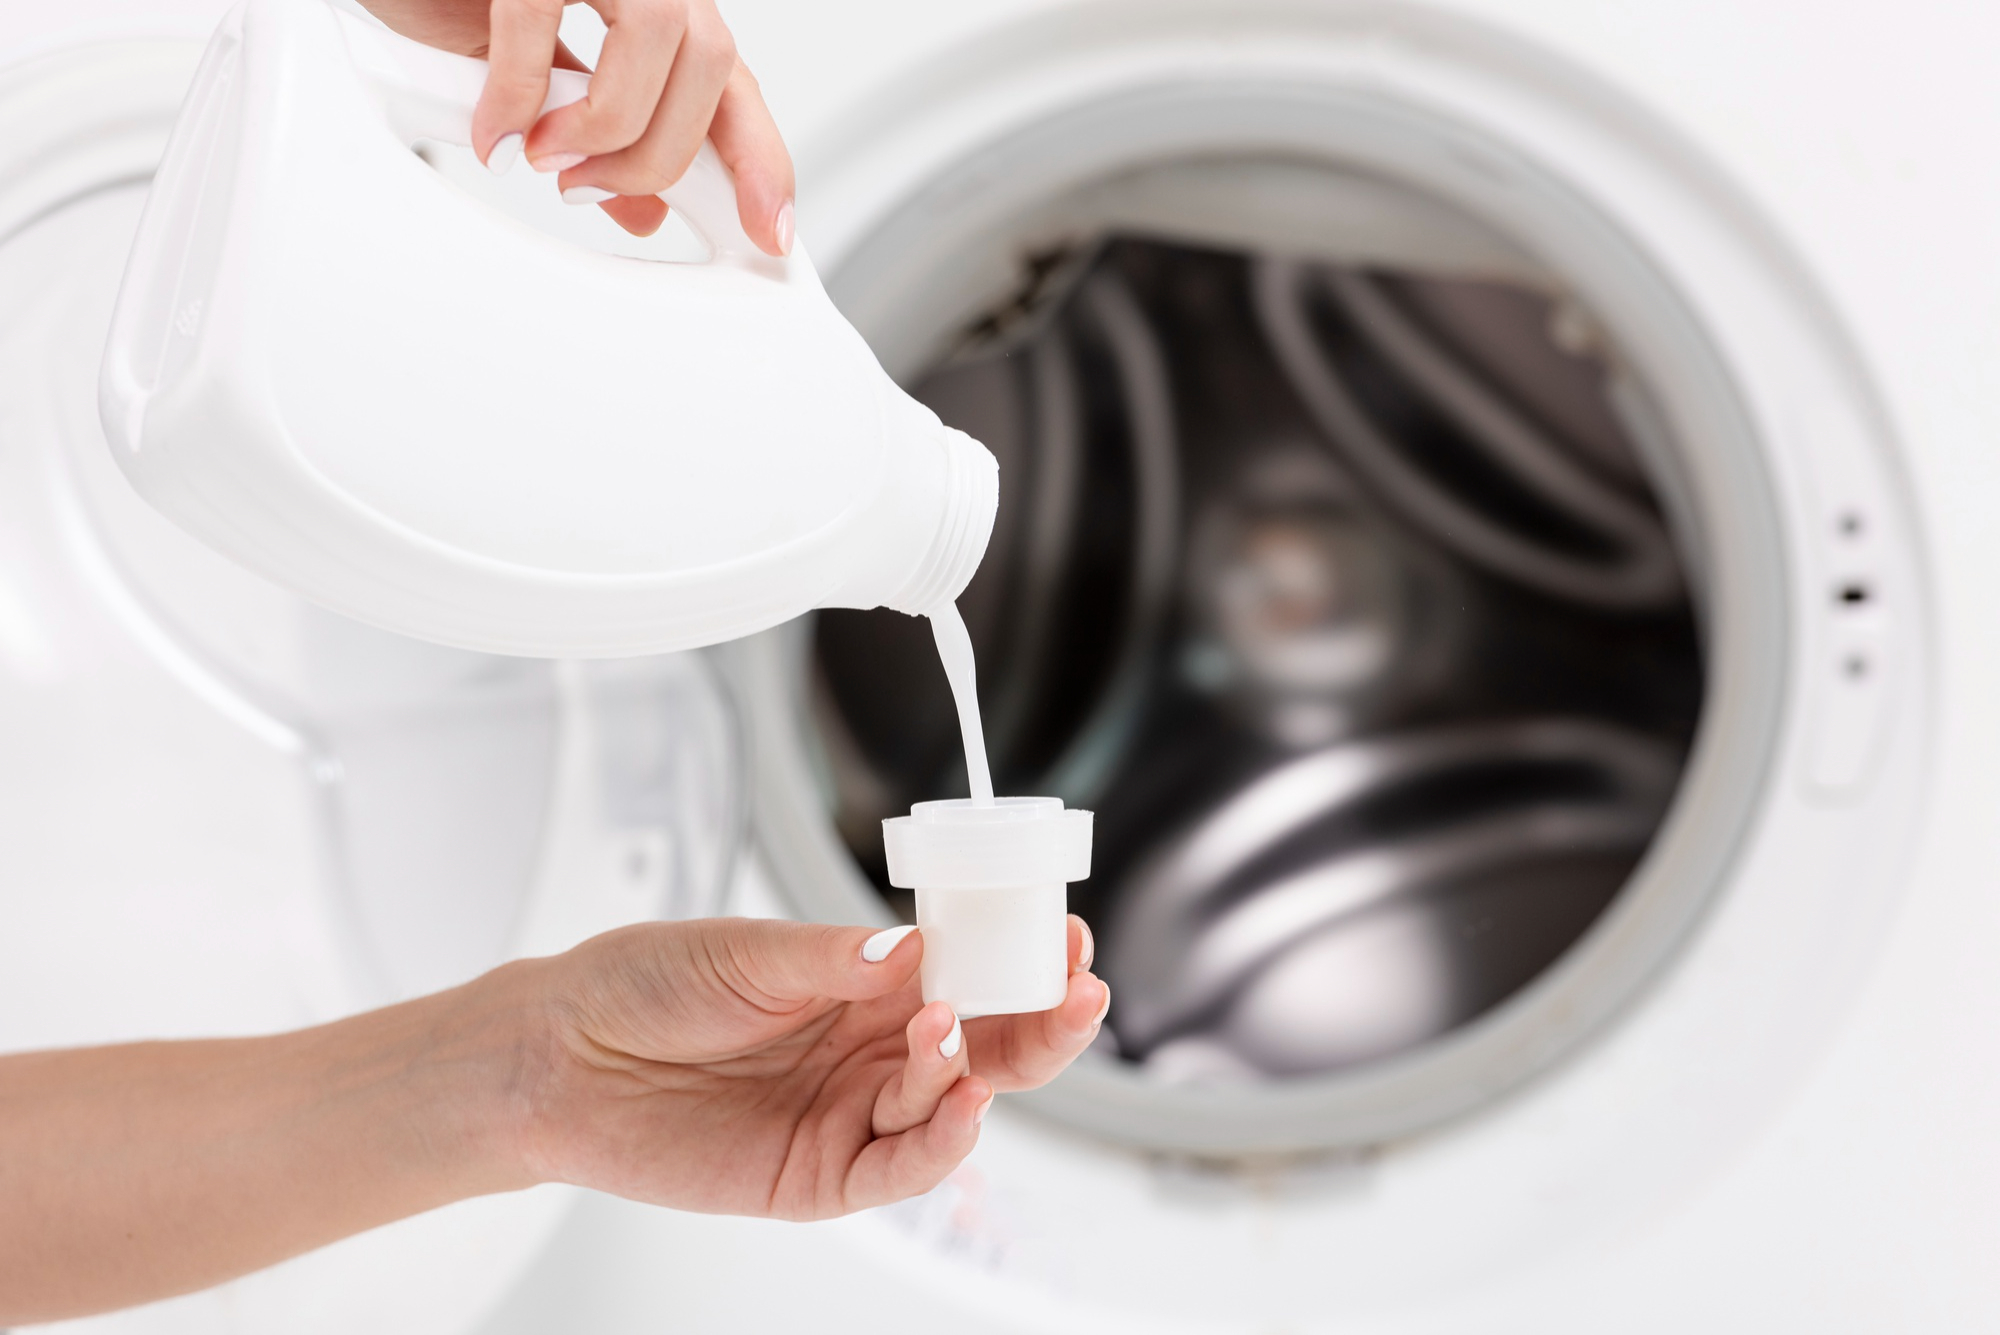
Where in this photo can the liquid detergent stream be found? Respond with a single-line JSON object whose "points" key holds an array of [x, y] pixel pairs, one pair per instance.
{"points": [[954, 644]]}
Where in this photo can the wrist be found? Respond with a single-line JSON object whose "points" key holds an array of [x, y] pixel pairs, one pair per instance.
{"points": [[484, 1059]]}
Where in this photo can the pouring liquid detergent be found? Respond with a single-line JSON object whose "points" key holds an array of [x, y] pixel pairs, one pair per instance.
{"points": [[991, 873], [954, 645], [330, 365]]}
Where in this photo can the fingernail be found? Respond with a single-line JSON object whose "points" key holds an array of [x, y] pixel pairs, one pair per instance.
{"points": [[505, 153], [587, 194], [877, 947], [784, 228], [1103, 1010], [1089, 951], [952, 1041], [979, 1114], [556, 162]]}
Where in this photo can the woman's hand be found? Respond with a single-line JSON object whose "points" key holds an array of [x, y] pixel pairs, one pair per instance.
{"points": [[773, 1068], [765, 1068], [667, 78]]}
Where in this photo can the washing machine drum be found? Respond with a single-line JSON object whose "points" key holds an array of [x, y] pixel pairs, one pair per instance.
{"points": [[1343, 597]]}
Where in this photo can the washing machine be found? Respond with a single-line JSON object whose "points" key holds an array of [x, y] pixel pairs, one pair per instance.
{"points": [[1493, 522]]}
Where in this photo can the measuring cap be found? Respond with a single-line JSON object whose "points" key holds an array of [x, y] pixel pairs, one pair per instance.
{"points": [[992, 897]]}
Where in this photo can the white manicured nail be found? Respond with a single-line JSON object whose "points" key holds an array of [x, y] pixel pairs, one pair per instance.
{"points": [[877, 947], [556, 162], [1089, 952], [784, 228], [587, 194], [979, 1115], [952, 1041], [1103, 1010], [504, 155]]}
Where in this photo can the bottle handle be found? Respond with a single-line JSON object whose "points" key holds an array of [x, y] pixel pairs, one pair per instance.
{"points": [[426, 93]]}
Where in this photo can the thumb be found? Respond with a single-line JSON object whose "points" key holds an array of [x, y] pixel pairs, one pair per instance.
{"points": [[785, 963]]}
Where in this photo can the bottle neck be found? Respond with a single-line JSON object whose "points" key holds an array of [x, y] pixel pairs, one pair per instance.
{"points": [[971, 496]]}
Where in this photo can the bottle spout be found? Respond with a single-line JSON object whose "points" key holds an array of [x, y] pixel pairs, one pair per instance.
{"points": [[970, 495], [918, 542]]}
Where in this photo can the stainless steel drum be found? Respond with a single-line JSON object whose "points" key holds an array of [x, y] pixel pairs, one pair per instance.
{"points": [[1345, 601]]}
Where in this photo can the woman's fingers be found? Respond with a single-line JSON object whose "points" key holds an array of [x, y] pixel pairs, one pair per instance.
{"points": [[936, 1061], [1082, 945], [641, 215], [748, 140], [641, 38], [893, 1168], [520, 46], [701, 70], [1023, 1051], [667, 78], [779, 965]]}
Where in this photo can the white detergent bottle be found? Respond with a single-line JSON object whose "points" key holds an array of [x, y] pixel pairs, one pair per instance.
{"points": [[331, 365]]}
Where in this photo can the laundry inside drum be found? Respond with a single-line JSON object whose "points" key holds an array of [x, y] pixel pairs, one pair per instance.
{"points": [[1344, 596]]}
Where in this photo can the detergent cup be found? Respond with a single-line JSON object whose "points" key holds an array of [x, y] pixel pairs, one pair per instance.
{"points": [[992, 897]]}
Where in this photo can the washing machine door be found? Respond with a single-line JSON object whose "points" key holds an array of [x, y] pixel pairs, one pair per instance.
{"points": [[224, 810], [1465, 566], [1434, 542]]}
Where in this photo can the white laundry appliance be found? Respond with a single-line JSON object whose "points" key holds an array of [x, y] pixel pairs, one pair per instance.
{"points": [[1493, 515]]}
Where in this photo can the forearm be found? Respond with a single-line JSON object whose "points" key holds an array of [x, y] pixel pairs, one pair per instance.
{"points": [[135, 1172]]}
